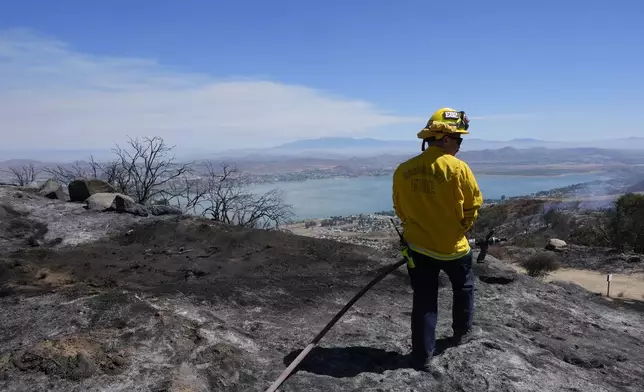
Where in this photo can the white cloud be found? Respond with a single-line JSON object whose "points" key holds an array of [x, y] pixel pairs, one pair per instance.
{"points": [[52, 96]]}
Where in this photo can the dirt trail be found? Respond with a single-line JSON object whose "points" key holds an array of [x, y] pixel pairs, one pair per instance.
{"points": [[627, 286], [622, 285]]}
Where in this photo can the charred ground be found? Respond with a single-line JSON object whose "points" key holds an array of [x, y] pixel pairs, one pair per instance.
{"points": [[185, 304]]}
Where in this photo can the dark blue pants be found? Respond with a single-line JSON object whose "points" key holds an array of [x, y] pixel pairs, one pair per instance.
{"points": [[424, 282]]}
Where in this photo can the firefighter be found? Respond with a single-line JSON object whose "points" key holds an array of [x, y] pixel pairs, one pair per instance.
{"points": [[437, 198]]}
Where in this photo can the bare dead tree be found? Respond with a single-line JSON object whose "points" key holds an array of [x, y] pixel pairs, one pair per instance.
{"points": [[111, 172], [185, 193], [225, 197], [141, 170], [147, 171], [24, 174], [224, 189], [65, 175], [146, 168], [95, 168], [261, 211]]}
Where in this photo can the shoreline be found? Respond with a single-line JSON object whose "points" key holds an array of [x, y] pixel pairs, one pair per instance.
{"points": [[488, 174], [551, 195]]}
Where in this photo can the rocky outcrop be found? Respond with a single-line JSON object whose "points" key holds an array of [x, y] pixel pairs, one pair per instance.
{"points": [[495, 272], [50, 222], [82, 189], [188, 303], [52, 190], [115, 202], [556, 245], [32, 186], [104, 201]]}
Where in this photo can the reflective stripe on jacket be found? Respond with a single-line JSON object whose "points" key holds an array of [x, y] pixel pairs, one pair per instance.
{"points": [[437, 198]]}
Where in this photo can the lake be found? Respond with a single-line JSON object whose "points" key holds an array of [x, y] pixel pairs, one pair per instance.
{"points": [[363, 195]]}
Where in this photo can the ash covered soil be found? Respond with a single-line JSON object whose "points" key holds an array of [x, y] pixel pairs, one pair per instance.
{"points": [[185, 304]]}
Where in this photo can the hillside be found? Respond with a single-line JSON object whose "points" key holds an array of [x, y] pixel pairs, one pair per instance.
{"points": [[126, 303]]}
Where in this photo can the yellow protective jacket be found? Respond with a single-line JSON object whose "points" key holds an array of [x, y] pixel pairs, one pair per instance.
{"points": [[437, 198]]}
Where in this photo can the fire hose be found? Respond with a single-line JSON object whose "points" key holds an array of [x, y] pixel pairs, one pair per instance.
{"points": [[482, 243]]}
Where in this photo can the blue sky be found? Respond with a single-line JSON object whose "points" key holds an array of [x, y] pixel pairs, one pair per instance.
{"points": [[214, 74]]}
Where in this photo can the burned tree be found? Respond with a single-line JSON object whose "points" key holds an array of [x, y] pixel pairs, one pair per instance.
{"points": [[110, 172], [66, 174], [146, 168], [185, 193], [142, 170], [147, 171], [223, 194], [24, 174], [228, 200]]}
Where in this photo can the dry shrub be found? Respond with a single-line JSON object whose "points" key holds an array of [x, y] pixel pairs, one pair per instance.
{"points": [[541, 264]]}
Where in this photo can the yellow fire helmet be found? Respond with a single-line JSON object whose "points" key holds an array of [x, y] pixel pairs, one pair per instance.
{"points": [[443, 122]]}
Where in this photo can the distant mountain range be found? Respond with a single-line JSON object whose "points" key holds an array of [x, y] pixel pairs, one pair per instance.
{"points": [[338, 147], [470, 144]]}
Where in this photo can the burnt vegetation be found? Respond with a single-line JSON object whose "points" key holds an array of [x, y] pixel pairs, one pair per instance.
{"points": [[147, 170], [23, 175], [532, 222], [224, 194]]}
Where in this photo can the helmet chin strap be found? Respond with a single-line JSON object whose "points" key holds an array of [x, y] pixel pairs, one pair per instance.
{"points": [[426, 141]]}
